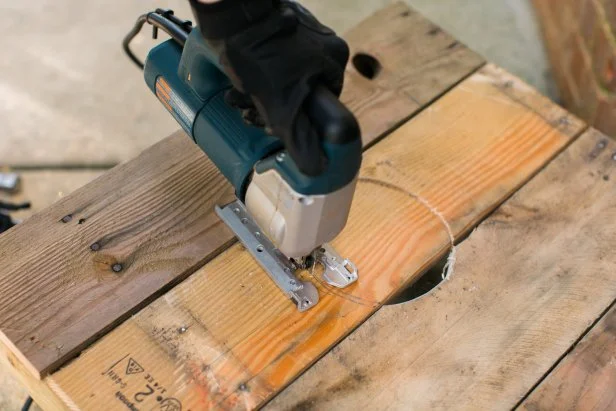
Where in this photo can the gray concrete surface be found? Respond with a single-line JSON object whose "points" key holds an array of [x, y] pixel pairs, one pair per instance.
{"points": [[68, 95]]}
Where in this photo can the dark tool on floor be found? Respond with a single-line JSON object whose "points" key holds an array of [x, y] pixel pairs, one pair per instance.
{"points": [[282, 216], [6, 221]]}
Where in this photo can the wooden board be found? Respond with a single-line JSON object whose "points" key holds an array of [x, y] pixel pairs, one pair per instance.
{"points": [[226, 337], [153, 219], [586, 378], [529, 281]]}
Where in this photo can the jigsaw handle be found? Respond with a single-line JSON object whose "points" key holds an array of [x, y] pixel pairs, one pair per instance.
{"points": [[332, 119]]}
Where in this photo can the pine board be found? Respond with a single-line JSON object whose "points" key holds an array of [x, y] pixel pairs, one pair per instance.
{"points": [[586, 378], [529, 281], [154, 216], [227, 338]]}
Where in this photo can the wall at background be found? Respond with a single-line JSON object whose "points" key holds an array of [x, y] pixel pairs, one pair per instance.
{"points": [[581, 39]]}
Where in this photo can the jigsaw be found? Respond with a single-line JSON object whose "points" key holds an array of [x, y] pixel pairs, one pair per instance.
{"points": [[283, 217]]}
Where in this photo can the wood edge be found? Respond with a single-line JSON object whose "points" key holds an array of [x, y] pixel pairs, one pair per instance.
{"points": [[523, 93], [9, 347], [38, 389]]}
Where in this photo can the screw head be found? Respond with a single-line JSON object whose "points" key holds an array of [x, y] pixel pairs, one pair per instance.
{"points": [[117, 267], [67, 218], [182, 329], [95, 246]]}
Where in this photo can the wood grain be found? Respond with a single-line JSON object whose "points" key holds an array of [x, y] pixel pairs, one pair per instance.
{"points": [[586, 378], [529, 281], [154, 216], [227, 338]]}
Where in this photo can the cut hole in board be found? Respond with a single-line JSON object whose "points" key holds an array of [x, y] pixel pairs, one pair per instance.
{"points": [[366, 65], [426, 283]]}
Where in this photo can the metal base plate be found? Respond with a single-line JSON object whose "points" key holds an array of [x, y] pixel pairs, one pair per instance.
{"points": [[338, 272]]}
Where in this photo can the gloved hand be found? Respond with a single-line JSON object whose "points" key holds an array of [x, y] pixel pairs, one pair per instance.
{"points": [[276, 53]]}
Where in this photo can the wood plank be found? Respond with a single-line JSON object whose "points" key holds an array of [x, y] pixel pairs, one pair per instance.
{"points": [[586, 378], [154, 216], [529, 281], [227, 338]]}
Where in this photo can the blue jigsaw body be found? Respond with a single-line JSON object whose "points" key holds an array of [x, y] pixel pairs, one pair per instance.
{"points": [[190, 84]]}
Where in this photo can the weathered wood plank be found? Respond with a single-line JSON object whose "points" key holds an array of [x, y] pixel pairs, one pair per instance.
{"points": [[586, 378], [154, 216], [529, 281], [227, 338]]}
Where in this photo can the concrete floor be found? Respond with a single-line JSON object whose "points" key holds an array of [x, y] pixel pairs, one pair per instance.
{"points": [[69, 96]]}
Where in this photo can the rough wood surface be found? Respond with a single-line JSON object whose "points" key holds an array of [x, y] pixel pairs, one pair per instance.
{"points": [[226, 337], [529, 281], [154, 216], [58, 287], [586, 378]]}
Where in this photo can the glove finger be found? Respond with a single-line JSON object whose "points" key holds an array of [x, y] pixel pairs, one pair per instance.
{"points": [[304, 146], [237, 99], [252, 117]]}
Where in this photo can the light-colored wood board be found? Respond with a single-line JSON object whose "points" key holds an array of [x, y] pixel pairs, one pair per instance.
{"points": [[586, 378], [227, 338], [524, 94], [529, 281], [155, 216]]}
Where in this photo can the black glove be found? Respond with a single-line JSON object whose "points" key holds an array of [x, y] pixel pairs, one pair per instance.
{"points": [[276, 53]]}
